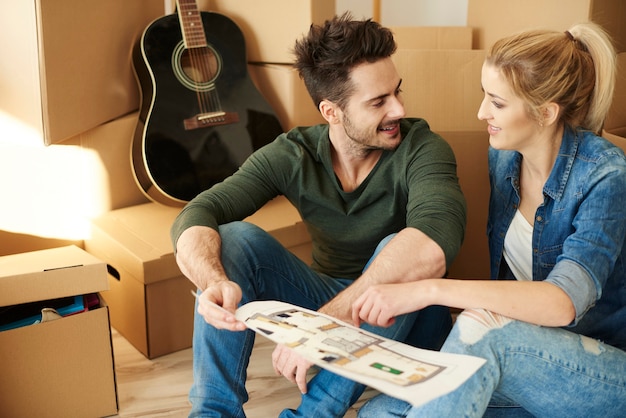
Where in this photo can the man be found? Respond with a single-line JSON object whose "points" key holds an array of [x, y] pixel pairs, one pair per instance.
{"points": [[370, 185]]}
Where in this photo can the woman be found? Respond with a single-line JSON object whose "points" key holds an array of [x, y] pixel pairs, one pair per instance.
{"points": [[553, 326]]}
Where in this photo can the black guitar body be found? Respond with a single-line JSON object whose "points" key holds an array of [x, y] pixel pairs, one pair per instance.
{"points": [[176, 155]]}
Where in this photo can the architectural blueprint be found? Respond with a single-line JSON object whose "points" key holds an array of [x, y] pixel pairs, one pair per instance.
{"points": [[414, 375]]}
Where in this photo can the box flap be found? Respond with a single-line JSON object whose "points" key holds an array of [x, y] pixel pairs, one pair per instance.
{"points": [[137, 238], [50, 274]]}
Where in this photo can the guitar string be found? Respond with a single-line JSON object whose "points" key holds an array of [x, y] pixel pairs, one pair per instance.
{"points": [[199, 54], [198, 63], [185, 18]]}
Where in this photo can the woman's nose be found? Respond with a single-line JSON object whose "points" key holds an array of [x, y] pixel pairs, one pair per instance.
{"points": [[482, 110]]}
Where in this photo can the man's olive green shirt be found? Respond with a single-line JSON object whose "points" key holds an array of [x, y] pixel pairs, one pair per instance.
{"points": [[413, 186]]}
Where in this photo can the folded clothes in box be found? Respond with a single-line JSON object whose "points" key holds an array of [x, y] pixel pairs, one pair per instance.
{"points": [[20, 315]]}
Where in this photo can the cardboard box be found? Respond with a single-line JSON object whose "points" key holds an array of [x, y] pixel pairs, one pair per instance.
{"points": [[150, 300], [615, 124], [271, 27], [286, 93], [494, 19], [432, 37], [442, 86], [71, 69], [63, 367], [111, 143], [617, 137], [471, 148]]}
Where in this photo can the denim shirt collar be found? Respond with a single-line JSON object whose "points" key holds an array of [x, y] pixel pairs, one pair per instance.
{"points": [[562, 168], [555, 185]]}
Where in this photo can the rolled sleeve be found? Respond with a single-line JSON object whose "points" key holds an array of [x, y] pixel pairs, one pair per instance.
{"points": [[579, 285]]}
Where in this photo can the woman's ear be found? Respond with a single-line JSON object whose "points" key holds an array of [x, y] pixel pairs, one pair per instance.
{"points": [[329, 111], [550, 112]]}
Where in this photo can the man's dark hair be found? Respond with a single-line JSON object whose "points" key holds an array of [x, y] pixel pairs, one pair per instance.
{"points": [[328, 53]]}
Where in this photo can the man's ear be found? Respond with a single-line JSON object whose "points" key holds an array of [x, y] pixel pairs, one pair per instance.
{"points": [[329, 111]]}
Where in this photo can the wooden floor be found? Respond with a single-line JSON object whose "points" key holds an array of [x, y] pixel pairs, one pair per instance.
{"points": [[159, 387]]}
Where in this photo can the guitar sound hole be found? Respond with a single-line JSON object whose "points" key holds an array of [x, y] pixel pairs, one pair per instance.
{"points": [[196, 68], [200, 64]]}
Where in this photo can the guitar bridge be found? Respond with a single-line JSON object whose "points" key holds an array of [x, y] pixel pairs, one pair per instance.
{"points": [[205, 120]]}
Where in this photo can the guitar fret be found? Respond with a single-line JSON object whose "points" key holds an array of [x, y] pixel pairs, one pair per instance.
{"points": [[191, 24]]}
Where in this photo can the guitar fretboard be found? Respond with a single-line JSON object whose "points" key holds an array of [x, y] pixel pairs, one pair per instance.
{"points": [[191, 24]]}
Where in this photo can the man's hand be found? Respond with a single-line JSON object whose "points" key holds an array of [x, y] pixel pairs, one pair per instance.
{"points": [[217, 305], [290, 364]]}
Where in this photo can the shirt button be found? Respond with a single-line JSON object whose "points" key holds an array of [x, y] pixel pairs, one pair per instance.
{"points": [[539, 218]]}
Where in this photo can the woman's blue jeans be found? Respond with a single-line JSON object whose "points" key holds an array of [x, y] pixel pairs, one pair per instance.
{"points": [[265, 270], [530, 371]]}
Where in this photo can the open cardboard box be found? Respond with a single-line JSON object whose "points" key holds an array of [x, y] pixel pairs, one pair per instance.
{"points": [[150, 300], [62, 367]]}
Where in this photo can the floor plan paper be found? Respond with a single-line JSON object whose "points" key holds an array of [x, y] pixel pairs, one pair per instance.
{"points": [[400, 370]]}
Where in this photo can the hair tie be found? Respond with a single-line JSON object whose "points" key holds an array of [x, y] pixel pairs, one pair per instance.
{"points": [[579, 45]]}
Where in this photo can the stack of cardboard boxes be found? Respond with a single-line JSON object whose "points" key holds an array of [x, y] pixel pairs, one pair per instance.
{"points": [[441, 83], [66, 71], [149, 299]]}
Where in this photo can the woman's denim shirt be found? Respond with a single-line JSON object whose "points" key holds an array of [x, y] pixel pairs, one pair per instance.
{"points": [[579, 230]]}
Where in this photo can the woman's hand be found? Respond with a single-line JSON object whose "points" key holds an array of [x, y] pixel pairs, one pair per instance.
{"points": [[380, 304]]}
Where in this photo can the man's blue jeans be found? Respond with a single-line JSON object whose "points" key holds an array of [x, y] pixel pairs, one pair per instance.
{"points": [[530, 371], [265, 270]]}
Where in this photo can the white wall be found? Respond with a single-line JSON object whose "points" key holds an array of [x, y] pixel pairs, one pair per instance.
{"points": [[410, 12]]}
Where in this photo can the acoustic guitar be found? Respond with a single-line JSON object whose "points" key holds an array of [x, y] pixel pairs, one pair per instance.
{"points": [[201, 115]]}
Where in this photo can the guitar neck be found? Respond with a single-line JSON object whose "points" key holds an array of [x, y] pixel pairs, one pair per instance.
{"points": [[191, 24]]}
